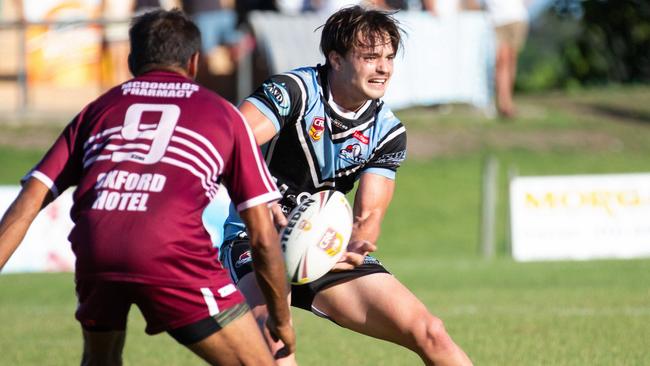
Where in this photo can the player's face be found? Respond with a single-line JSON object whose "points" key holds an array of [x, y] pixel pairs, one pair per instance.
{"points": [[367, 71]]}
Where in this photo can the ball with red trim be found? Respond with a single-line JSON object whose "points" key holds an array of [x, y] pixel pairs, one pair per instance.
{"points": [[316, 236]]}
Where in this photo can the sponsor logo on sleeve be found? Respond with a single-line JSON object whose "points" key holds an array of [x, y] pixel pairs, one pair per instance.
{"points": [[317, 128], [278, 94], [392, 158]]}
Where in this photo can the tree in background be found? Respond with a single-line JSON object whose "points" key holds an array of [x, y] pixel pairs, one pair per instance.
{"points": [[587, 42], [614, 42]]}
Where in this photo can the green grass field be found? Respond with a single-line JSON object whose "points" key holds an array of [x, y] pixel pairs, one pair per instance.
{"points": [[501, 312]]}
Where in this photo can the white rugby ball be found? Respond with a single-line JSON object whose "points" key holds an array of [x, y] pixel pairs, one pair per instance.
{"points": [[317, 236]]}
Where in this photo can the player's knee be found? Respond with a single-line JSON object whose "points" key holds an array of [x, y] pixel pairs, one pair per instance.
{"points": [[433, 336]]}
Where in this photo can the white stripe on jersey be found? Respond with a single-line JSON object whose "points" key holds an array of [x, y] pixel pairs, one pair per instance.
{"points": [[210, 175], [205, 142], [261, 199], [390, 137], [96, 158], [350, 131], [216, 170], [47, 181], [135, 146], [301, 137], [269, 184], [348, 172], [100, 145], [101, 134], [189, 150], [210, 188], [208, 296]]}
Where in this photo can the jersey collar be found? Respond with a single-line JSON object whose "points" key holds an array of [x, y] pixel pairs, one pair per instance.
{"points": [[339, 120]]}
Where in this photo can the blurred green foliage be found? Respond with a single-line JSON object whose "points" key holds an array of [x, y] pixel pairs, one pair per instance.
{"points": [[605, 42]]}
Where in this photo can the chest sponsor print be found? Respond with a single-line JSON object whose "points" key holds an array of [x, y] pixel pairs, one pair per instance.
{"points": [[361, 137]]}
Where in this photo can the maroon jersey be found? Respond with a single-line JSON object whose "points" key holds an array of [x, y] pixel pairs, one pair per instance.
{"points": [[147, 157]]}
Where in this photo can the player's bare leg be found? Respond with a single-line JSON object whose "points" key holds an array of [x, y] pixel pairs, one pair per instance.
{"points": [[504, 79], [248, 286], [227, 346], [102, 348], [378, 305]]}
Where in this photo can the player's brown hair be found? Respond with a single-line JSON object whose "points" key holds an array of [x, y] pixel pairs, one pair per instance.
{"points": [[162, 38], [356, 26]]}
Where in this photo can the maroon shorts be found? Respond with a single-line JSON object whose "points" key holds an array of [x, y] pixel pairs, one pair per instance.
{"points": [[104, 305]]}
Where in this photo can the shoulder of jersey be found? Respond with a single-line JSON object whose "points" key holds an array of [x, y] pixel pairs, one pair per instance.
{"points": [[308, 76], [387, 119]]}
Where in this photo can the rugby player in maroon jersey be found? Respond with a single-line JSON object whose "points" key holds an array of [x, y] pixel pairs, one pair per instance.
{"points": [[146, 158]]}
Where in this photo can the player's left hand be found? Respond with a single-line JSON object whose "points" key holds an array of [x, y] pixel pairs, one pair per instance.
{"points": [[284, 333], [354, 255]]}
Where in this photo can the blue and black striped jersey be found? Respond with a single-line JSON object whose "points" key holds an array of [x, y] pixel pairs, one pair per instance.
{"points": [[317, 148]]}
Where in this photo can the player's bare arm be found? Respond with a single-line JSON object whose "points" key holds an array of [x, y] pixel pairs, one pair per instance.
{"points": [[370, 204], [262, 127], [263, 130], [270, 272], [13, 227]]}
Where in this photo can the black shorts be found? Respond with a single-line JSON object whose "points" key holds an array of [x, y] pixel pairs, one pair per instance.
{"points": [[236, 257]]}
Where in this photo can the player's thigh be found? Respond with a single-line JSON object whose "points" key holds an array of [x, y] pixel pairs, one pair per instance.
{"points": [[255, 299], [377, 305], [238, 343]]}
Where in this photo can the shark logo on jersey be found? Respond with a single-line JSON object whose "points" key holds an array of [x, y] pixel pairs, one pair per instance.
{"points": [[277, 93], [352, 153], [317, 128]]}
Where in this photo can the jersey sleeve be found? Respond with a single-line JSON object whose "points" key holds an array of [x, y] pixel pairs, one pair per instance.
{"points": [[280, 98], [61, 167], [246, 177], [389, 153]]}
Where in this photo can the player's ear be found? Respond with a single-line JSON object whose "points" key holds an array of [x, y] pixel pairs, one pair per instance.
{"points": [[193, 65], [335, 59]]}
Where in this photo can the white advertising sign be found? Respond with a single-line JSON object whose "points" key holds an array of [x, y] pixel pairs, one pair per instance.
{"points": [[580, 217], [46, 246]]}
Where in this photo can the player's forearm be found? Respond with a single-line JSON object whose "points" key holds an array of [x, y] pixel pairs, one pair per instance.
{"points": [[17, 219], [367, 225], [12, 231]]}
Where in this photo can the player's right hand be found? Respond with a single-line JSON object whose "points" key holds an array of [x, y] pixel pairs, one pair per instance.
{"points": [[279, 220], [284, 333]]}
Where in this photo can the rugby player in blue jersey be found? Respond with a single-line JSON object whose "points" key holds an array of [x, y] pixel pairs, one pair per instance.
{"points": [[325, 127]]}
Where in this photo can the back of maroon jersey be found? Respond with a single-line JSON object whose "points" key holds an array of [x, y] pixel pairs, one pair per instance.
{"points": [[147, 157]]}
